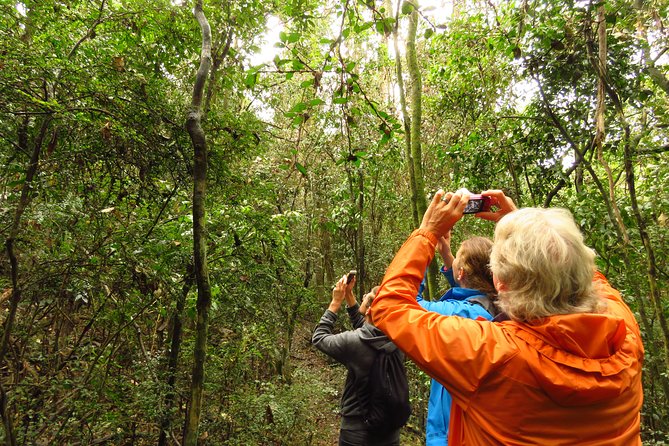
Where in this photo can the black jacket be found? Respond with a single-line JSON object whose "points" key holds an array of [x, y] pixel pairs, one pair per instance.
{"points": [[356, 349]]}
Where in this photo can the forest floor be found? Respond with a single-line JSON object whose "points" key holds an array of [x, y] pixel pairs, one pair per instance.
{"points": [[330, 377]]}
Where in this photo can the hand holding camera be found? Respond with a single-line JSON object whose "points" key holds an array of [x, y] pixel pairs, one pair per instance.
{"points": [[444, 211], [343, 289], [504, 205]]}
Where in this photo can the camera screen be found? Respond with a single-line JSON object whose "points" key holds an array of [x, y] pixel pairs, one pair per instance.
{"points": [[474, 206]]}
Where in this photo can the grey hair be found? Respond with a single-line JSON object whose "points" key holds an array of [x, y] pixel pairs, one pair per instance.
{"points": [[546, 269]]}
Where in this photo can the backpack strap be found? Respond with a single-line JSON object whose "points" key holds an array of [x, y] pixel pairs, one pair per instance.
{"points": [[388, 348], [487, 304]]}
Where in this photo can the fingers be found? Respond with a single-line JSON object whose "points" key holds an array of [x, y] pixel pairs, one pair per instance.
{"points": [[444, 211], [456, 204], [341, 284], [497, 196], [504, 203], [351, 284], [458, 200], [434, 204], [488, 215]]}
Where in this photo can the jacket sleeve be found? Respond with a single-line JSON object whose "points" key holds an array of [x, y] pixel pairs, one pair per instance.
{"points": [[334, 345], [448, 274], [357, 320], [457, 352]]}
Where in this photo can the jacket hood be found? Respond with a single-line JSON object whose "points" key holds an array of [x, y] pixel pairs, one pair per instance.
{"points": [[458, 293], [375, 338], [582, 358]]}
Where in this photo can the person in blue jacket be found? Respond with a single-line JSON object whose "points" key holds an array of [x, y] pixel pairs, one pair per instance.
{"points": [[472, 295]]}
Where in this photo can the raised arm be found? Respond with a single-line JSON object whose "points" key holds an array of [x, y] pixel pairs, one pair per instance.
{"points": [[352, 308], [444, 249], [447, 348], [323, 338], [440, 345]]}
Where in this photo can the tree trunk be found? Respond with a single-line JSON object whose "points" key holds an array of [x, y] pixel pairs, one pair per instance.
{"points": [[193, 125], [15, 297], [600, 133], [360, 237], [173, 355], [415, 142], [407, 125], [416, 113]]}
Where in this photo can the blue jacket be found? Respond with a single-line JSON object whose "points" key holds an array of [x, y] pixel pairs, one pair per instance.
{"points": [[455, 302]]}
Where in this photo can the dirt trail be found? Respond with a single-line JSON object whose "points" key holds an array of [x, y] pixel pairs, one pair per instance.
{"points": [[329, 376]]}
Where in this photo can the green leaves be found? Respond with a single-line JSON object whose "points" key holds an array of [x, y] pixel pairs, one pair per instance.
{"points": [[292, 37], [301, 168], [251, 78], [385, 26]]}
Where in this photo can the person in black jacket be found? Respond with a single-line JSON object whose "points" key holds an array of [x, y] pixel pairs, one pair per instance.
{"points": [[356, 349]]}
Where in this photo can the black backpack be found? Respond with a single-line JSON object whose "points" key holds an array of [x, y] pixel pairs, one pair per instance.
{"points": [[388, 407]]}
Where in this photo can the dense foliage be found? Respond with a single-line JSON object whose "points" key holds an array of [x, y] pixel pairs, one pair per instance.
{"points": [[308, 177]]}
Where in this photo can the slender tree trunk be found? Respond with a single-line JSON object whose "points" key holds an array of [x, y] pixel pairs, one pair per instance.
{"points": [[407, 126], [356, 189], [173, 355], [194, 127], [325, 268], [415, 143], [360, 237], [15, 298], [416, 113], [600, 115]]}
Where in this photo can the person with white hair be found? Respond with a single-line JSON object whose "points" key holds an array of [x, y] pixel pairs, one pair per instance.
{"points": [[564, 369]]}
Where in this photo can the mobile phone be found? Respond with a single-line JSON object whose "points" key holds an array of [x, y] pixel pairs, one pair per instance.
{"points": [[478, 203], [350, 275]]}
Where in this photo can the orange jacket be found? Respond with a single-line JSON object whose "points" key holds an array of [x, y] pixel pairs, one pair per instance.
{"points": [[564, 380]]}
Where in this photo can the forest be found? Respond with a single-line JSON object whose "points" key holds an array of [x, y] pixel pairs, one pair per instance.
{"points": [[183, 182]]}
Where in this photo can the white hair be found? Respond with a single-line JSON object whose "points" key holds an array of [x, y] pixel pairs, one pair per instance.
{"points": [[544, 266]]}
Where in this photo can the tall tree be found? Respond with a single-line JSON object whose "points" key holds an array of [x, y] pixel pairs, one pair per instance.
{"points": [[416, 131], [194, 127]]}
